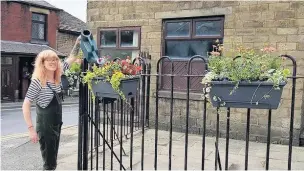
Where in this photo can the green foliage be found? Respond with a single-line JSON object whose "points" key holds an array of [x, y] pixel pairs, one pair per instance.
{"points": [[112, 72], [75, 67], [248, 66]]}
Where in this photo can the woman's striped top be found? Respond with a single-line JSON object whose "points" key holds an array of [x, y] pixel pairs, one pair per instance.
{"points": [[43, 95]]}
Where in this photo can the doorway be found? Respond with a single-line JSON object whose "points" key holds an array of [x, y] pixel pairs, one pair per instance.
{"points": [[7, 78], [25, 72]]}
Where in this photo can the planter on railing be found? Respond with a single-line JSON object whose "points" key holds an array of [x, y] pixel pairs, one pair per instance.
{"points": [[104, 89], [257, 95]]}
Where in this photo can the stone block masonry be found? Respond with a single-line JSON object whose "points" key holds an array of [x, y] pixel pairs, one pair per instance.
{"points": [[253, 24]]}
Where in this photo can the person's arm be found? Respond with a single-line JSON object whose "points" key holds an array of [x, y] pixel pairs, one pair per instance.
{"points": [[26, 108], [75, 51], [31, 95]]}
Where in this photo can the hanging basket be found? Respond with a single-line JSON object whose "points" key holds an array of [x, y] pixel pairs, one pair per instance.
{"points": [[103, 88], [256, 95]]}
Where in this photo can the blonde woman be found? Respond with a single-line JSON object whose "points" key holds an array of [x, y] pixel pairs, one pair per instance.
{"points": [[45, 89]]}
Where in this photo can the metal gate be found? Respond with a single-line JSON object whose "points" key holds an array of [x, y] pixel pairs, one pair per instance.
{"points": [[107, 127]]}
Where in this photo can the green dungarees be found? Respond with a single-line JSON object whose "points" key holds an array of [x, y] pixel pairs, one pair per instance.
{"points": [[49, 122]]}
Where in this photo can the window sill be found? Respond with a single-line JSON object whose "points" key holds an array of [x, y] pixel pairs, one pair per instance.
{"points": [[42, 42], [179, 95]]}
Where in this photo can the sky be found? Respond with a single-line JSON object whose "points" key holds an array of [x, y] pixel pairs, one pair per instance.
{"points": [[77, 8]]}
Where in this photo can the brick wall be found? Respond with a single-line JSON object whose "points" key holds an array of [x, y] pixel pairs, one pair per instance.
{"points": [[280, 24], [16, 23], [65, 42]]}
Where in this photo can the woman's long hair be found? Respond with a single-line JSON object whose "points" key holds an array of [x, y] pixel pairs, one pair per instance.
{"points": [[40, 71]]}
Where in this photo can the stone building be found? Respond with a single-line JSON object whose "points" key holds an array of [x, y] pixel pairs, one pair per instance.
{"points": [[183, 29], [69, 29]]}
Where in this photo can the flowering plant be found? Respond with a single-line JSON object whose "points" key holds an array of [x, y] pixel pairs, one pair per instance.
{"points": [[113, 72], [248, 66], [74, 71]]}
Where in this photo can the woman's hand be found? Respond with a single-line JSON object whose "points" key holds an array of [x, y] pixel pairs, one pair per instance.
{"points": [[78, 40], [33, 135]]}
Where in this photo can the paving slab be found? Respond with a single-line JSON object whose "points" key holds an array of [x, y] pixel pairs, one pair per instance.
{"points": [[14, 151]]}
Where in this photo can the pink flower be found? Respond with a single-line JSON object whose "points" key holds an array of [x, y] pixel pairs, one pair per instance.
{"points": [[215, 53]]}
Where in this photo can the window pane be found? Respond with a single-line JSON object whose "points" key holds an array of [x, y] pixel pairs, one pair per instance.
{"points": [[38, 17], [7, 60], [38, 31], [209, 28], [41, 31], [129, 38], [178, 29], [108, 38], [188, 48], [122, 54]]}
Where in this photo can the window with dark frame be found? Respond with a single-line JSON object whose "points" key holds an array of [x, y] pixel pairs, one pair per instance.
{"points": [[119, 42], [188, 37], [183, 39], [38, 26]]}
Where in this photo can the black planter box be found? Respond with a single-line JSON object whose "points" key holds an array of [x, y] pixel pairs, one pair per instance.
{"points": [[246, 95], [102, 88]]}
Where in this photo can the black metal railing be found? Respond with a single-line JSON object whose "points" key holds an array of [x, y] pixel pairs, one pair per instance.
{"points": [[107, 127]]}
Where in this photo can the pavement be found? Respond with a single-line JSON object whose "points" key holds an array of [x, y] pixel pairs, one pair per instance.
{"points": [[14, 146]]}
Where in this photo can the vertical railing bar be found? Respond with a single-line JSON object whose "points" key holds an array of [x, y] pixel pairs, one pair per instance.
{"points": [[247, 139], [116, 112], [139, 108], [97, 118], [187, 117], [217, 137], [204, 131], [127, 123], [80, 128], [124, 124], [86, 124], [227, 138], [218, 157], [121, 127], [148, 90], [111, 133], [104, 138], [156, 117], [293, 93], [268, 140], [91, 129], [132, 127], [107, 113], [171, 117], [143, 117]]}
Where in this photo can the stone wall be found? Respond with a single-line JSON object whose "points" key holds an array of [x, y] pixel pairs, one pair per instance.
{"points": [[65, 42], [252, 24]]}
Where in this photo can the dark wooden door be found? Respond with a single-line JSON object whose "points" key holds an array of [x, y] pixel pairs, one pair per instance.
{"points": [[180, 70], [7, 83]]}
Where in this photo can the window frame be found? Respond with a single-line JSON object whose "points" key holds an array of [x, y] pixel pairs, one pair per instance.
{"points": [[164, 39], [118, 37], [39, 22], [192, 31]]}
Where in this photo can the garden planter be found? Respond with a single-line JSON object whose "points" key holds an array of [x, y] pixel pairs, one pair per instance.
{"points": [[247, 95], [102, 88]]}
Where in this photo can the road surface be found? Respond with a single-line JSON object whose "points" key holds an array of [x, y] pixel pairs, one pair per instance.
{"points": [[12, 121]]}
